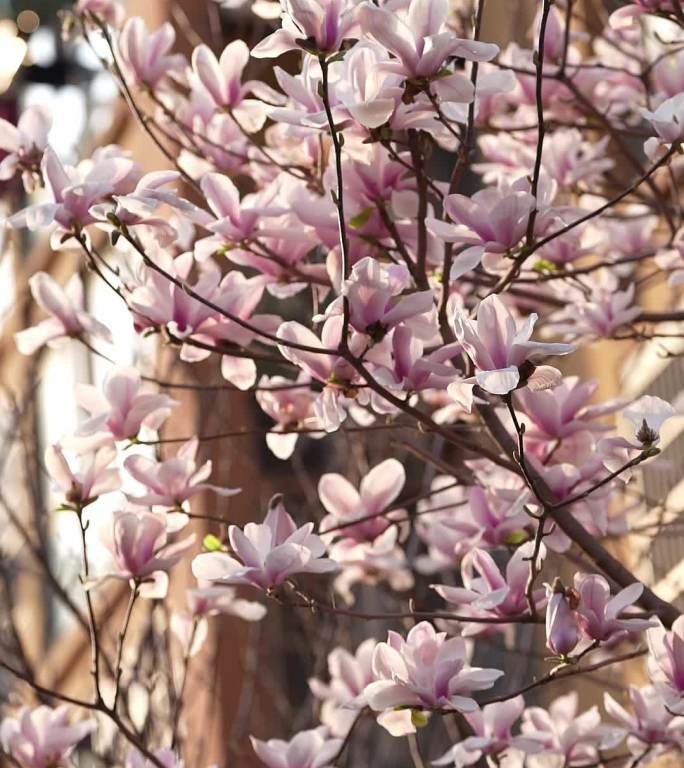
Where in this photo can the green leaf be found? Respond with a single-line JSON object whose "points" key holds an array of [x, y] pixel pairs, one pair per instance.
{"points": [[361, 218], [212, 543]]}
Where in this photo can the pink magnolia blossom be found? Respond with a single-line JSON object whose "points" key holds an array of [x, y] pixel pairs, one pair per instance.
{"points": [[93, 478], [630, 13], [359, 511], [270, 552], [491, 593], [600, 313], [371, 562], [144, 56], [320, 25], [651, 725], [119, 410], [420, 38], [141, 552], [109, 11], [74, 191], [484, 519], [376, 305], [424, 671], [667, 120], [562, 623], [564, 410], [43, 737], [290, 405], [342, 696], [173, 482], [307, 749], [67, 318], [499, 348], [139, 208], [666, 663], [492, 735], [574, 738], [492, 221], [24, 144], [599, 615], [191, 627], [222, 80], [332, 370], [365, 88]]}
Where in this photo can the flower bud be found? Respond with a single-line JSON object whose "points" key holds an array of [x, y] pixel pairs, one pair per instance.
{"points": [[562, 629]]}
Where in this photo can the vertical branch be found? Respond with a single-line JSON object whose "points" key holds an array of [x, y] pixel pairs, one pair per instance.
{"points": [[541, 126], [122, 639], [462, 159], [95, 650], [338, 141]]}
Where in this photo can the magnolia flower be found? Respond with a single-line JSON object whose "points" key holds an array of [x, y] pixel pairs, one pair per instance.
{"points": [[651, 725], [139, 207], [492, 221], [92, 479], [109, 11], [373, 292], [319, 25], [172, 482], [360, 512], [599, 312], [119, 410], [486, 519], [564, 410], [43, 737], [24, 144], [290, 405], [420, 39], [342, 697], [144, 56], [74, 191], [270, 552], [629, 14], [668, 119], [67, 316], [368, 92], [142, 555], [599, 615], [502, 352], [332, 370], [222, 80], [562, 625], [381, 559], [307, 749], [425, 671], [666, 663], [491, 727], [191, 627], [648, 414], [574, 738], [492, 594]]}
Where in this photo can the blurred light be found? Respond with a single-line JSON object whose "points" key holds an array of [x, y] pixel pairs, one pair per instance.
{"points": [[12, 53], [42, 47], [28, 22]]}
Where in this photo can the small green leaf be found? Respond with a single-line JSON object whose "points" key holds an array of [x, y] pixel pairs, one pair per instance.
{"points": [[544, 265], [419, 718], [212, 543], [361, 218], [516, 537]]}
